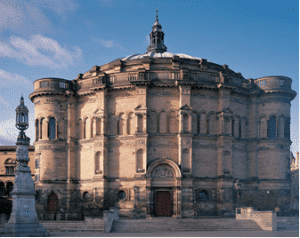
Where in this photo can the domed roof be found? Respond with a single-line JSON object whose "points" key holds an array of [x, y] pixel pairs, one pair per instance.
{"points": [[159, 55]]}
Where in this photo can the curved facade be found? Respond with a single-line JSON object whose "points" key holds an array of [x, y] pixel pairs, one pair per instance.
{"points": [[163, 127]]}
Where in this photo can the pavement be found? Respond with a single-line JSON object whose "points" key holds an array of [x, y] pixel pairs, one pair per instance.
{"points": [[181, 234]]}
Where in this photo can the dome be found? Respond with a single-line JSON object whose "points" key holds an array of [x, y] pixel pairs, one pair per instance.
{"points": [[159, 55]]}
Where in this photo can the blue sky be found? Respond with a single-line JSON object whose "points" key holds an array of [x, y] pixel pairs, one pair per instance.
{"points": [[54, 38]]}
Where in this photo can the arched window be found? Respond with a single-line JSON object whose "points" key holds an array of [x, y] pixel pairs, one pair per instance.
{"points": [[2, 189], [212, 124], [87, 128], [163, 122], [139, 161], [130, 124], [9, 188], [185, 123], [140, 128], [235, 127], [287, 132], [203, 124], [98, 126], [173, 123], [97, 163], [195, 123], [86, 196], [37, 130], [51, 129], [272, 128], [43, 128], [52, 203], [121, 124], [80, 130]]}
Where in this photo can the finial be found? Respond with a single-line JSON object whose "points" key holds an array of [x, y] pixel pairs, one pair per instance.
{"points": [[22, 99], [156, 15]]}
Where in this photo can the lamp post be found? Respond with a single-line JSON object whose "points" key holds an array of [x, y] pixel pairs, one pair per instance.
{"points": [[238, 191], [23, 219]]}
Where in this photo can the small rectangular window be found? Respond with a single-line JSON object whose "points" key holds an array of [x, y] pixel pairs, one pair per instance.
{"points": [[262, 83], [62, 85], [44, 84], [281, 82]]}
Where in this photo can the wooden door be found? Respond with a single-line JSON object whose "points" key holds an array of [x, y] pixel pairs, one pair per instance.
{"points": [[52, 203], [163, 204]]}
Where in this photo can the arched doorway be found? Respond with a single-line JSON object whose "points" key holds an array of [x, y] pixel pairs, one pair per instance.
{"points": [[52, 203], [164, 176]]}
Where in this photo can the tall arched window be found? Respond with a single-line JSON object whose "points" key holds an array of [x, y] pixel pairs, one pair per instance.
{"points": [[131, 126], [212, 124], [121, 124], [51, 129], [287, 132], [195, 123], [139, 161], [87, 128], [140, 128], [272, 128], [37, 130], [203, 123], [98, 126], [80, 130], [185, 123], [97, 163], [163, 122], [42, 128]]}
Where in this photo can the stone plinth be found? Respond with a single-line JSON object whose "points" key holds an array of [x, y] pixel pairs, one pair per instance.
{"points": [[23, 219]]}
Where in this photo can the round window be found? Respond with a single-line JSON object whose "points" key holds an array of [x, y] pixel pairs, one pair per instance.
{"points": [[121, 195]]}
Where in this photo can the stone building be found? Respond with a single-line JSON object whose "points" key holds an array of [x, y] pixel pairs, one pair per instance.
{"points": [[295, 181], [7, 168], [162, 134]]}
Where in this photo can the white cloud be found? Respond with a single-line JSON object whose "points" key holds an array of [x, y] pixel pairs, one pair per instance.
{"points": [[32, 16], [8, 79], [39, 50], [108, 43]]}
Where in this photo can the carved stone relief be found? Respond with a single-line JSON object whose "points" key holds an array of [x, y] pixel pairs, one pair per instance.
{"points": [[162, 172]]}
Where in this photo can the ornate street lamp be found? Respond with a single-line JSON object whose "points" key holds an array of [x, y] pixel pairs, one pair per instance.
{"points": [[22, 122], [23, 219]]}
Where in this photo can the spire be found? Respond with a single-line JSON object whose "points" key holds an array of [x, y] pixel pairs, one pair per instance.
{"points": [[156, 38]]}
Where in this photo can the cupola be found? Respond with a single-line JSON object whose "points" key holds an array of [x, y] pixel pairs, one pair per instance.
{"points": [[156, 38]]}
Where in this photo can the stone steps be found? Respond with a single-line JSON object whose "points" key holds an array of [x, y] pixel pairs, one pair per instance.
{"points": [[287, 223], [72, 226], [173, 224]]}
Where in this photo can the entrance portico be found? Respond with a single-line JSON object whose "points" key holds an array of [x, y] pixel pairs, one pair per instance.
{"points": [[163, 180]]}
